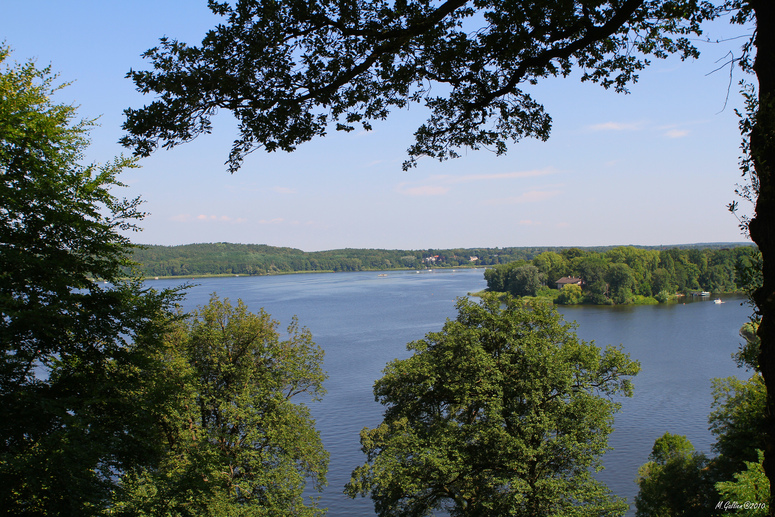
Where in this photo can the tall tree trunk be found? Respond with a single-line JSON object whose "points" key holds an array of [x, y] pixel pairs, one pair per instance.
{"points": [[762, 226]]}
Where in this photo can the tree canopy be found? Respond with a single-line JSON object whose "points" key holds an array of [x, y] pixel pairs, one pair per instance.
{"points": [[238, 437], [675, 481], [289, 71], [503, 412], [750, 486], [74, 334]]}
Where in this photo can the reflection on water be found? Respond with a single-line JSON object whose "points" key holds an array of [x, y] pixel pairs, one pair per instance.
{"points": [[363, 320]]}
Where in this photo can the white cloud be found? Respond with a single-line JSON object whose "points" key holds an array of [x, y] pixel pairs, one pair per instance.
{"points": [[422, 190], [283, 190], [677, 133], [440, 184], [616, 126], [500, 176], [185, 218], [531, 196]]}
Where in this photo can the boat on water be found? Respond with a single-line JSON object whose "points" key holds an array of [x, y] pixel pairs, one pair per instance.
{"points": [[718, 300]]}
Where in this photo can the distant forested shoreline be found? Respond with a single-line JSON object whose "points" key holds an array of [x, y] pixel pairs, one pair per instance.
{"points": [[222, 258], [628, 274]]}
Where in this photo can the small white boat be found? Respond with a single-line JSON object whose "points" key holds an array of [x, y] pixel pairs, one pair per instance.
{"points": [[718, 300]]}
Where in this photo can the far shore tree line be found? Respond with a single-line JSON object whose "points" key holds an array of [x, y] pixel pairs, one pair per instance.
{"points": [[626, 275], [224, 258]]}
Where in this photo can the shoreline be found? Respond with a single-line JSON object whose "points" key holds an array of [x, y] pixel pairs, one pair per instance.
{"points": [[322, 271]]}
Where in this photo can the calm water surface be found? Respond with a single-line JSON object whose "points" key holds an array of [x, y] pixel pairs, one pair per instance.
{"points": [[363, 320]]}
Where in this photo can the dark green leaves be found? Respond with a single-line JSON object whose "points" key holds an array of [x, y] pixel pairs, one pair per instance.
{"points": [[503, 412], [74, 335], [236, 441]]}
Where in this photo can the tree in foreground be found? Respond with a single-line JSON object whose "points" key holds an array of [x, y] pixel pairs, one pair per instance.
{"points": [[675, 481], [737, 421], [72, 410], [237, 441], [503, 412], [750, 490]]}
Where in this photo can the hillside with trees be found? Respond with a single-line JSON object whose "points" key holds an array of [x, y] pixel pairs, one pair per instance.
{"points": [[259, 259], [224, 258]]}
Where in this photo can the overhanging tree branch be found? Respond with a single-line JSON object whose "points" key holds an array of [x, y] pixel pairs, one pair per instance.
{"points": [[294, 68]]}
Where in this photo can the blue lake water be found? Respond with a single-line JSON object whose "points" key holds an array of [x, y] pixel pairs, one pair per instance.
{"points": [[363, 320]]}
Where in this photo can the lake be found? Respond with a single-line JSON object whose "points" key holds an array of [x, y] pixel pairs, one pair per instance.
{"points": [[364, 320]]}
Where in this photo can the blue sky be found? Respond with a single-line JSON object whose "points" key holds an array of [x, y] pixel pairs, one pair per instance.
{"points": [[655, 167]]}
